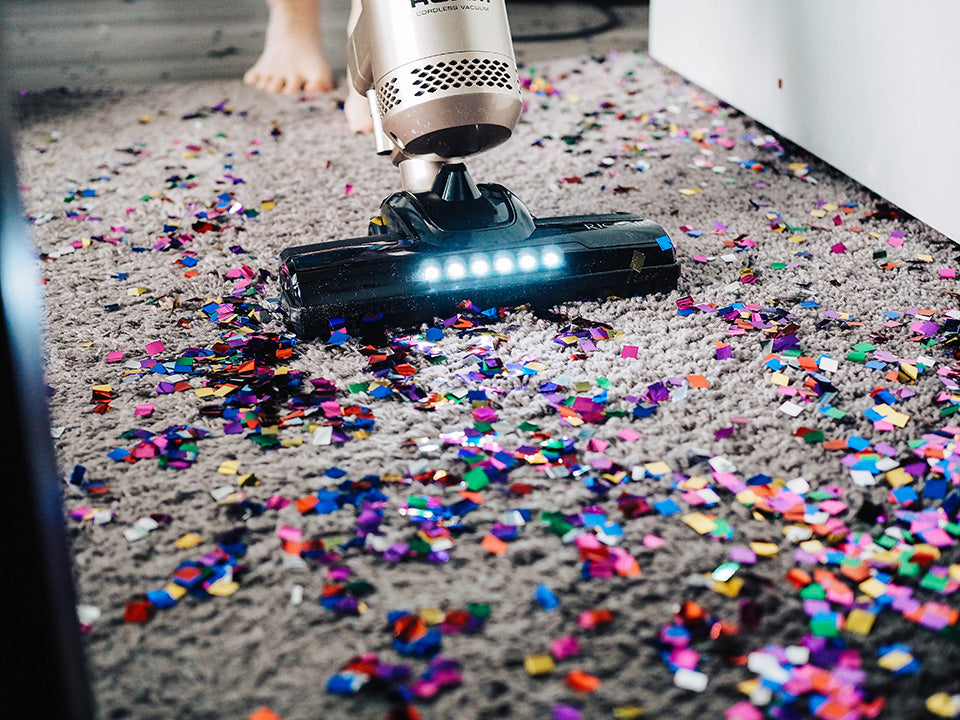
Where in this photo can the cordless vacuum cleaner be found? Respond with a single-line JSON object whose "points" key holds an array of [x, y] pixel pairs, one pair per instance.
{"points": [[442, 82]]}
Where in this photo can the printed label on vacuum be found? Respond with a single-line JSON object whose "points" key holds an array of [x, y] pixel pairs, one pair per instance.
{"points": [[435, 6]]}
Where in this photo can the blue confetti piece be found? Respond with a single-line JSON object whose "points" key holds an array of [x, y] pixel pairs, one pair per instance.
{"points": [[546, 598], [664, 242]]}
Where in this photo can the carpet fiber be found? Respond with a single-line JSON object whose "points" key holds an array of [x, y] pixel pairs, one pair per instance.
{"points": [[581, 514]]}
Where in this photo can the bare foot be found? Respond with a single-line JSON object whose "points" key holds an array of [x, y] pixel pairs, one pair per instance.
{"points": [[292, 60], [357, 110]]}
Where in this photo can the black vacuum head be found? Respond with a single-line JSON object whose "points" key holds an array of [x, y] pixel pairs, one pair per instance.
{"points": [[428, 252]]}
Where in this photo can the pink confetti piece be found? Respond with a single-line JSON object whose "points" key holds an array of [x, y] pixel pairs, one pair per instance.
{"points": [[629, 351], [144, 409], [629, 435], [154, 348], [653, 542], [948, 273], [115, 356]]}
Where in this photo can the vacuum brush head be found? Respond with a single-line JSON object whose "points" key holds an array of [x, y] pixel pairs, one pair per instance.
{"points": [[427, 252]]}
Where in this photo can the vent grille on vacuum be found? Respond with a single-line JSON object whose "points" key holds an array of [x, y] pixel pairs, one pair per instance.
{"points": [[464, 73], [388, 95]]}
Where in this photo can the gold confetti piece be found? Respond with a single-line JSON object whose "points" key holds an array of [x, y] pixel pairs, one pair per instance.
{"points": [[268, 204], [432, 616], [894, 660], [223, 588], [627, 712], [872, 587], [699, 522], [188, 541], [689, 191], [812, 546], [943, 705], [538, 664], [765, 549], [731, 588], [229, 467], [898, 477], [892, 416], [175, 591], [859, 621], [658, 468], [248, 480]]}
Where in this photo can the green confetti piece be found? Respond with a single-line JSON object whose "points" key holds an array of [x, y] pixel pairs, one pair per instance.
{"points": [[813, 591], [886, 542], [856, 356], [908, 569], [934, 582], [824, 626], [480, 610], [476, 479]]}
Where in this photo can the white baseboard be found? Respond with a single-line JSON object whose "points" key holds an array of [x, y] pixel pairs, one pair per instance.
{"points": [[870, 86]]}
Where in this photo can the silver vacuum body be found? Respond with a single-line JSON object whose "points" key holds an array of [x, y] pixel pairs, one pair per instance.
{"points": [[441, 76]]}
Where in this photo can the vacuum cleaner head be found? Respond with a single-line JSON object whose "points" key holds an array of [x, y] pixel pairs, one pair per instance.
{"points": [[427, 252], [441, 79]]}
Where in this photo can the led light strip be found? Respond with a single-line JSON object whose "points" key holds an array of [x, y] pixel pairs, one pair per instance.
{"points": [[484, 264]]}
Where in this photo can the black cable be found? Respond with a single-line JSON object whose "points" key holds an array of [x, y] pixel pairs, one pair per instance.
{"points": [[611, 22]]}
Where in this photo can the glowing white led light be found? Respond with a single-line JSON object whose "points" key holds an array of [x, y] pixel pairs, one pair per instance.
{"points": [[455, 269], [479, 265], [430, 272], [527, 261], [551, 258], [503, 264]]}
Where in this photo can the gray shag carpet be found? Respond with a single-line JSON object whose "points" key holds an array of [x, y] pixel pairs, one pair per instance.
{"points": [[250, 515]]}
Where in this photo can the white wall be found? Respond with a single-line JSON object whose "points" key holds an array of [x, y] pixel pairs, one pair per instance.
{"points": [[870, 86]]}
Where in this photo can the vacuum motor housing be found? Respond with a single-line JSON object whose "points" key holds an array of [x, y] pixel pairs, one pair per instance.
{"points": [[444, 72]]}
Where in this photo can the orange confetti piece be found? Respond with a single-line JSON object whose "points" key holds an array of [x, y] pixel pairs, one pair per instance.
{"points": [[582, 682], [493, 544]]}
